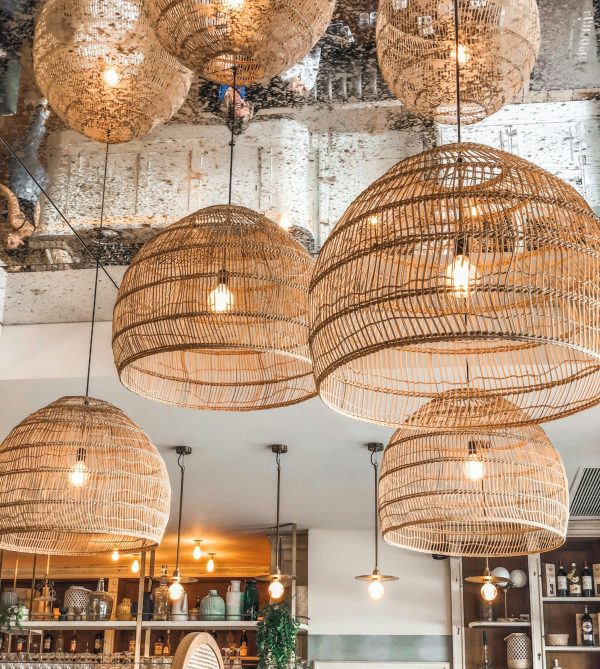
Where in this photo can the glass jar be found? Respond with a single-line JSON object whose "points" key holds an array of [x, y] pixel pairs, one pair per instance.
{"points": [[101, 603], [161, 597], [251, 607]]}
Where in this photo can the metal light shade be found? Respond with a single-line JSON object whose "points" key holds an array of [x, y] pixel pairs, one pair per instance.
{"points": [[431, 501], [213, 314], [464, 272], [261, 38], [78, 477], [498, 43], [102, 69]]}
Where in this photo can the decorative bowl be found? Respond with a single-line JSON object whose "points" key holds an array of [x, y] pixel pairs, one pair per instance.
{"points": [[557, 639]]}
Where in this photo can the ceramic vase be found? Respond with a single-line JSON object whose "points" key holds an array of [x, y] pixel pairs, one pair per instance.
{"points": [[234, 601], [123, 610], [212, 607]]}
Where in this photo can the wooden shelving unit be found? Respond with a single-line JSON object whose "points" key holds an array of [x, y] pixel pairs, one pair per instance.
{"points": [[497, 623]]}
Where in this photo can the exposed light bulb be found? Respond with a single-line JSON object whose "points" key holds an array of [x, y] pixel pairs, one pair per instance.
{"points": [[197, 552], [460, 276], [463, 54], [376, 589], [115, 555], [210, 565], [489, 592], [474, 466], [221, 298], [276, 588], [78, 475], [111, 76], [175, 590], [373, 219], [135, 566]]}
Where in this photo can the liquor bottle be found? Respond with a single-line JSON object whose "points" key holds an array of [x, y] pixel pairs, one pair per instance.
{"points": [[244, 644], [159, 644], [73, 641], [131, 645], [47, 643], [98, 644], [60, 643], [485, 656], [167, 646], [587, 583], [561, 581], [21, 644], [161, 597], [574, 582], [587, 629]]}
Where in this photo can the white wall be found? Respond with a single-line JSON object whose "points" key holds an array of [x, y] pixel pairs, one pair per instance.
{"points": [[419, 603]]}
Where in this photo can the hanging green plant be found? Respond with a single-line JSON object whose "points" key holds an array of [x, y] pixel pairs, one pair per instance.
{"points": [[11, 617], [276, 637]]}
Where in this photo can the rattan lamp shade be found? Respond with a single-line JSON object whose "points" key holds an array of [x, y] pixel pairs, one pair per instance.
{"points": [[171, 344], [262, 38], [464, 272], [499, 42], [103, 71], [123, 498], [430, 500]]}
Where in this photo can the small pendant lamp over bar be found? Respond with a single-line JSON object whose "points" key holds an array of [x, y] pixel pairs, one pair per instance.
{"points": [[473, 491], [467, 273]]}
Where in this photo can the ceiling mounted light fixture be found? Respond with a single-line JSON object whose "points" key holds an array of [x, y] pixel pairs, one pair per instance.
{"points": [[176, 589], [277, 580], [498, 44], [197, 552], [210, 565], [429, 502], [376, 579], [103, 71], [78, 477], [258, 38], [212, 313]]}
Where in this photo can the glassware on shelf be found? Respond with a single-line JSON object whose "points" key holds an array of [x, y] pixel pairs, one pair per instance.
{"points": [[101, 603], [251, 607], [161, 597]]}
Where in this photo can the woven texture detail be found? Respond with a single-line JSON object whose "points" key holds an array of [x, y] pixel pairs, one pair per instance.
{"points": [[123, 502], [474, 492], [103, 71], [464, 272], [499, 42], [171, 342], [261, 38]]}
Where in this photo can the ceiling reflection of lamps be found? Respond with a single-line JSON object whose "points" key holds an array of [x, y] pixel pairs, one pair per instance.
{"points": [[197, 552], [258, 39], [212, 313], [115, 555], [176, 589], [488, 583], [135, 566], [429, 503], [277, 580], [376, 579], [498, 44], [102, 69]]}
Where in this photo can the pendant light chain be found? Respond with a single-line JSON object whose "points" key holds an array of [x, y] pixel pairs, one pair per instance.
{"points": [[278, 461], [94, 299], [181, 465], [376, 524], [232, 140], [457, 66]]}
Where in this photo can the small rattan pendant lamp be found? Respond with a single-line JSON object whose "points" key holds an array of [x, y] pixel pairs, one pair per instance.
{"points": [[472, 491], [102, 69], [213, 313], [78, 477], [465, 272], [499, 42]]}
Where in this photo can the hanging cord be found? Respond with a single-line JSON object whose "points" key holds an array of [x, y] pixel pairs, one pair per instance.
{"points": [[457, 67], [278, 461], [232, 140], [89, 365], [87, 249], [181, 465], [376, 524]]}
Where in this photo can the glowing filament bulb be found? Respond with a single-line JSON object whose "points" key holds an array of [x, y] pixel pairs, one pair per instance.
{"points": [[463, 54], [221, 298], [276, 588], [460, 276], [175, 590], [115, 555], [474, 467], [373, 219], [135, 566], [197, 552], [489, 592], [111, 76], [376, 589], [210, 565], [78, 475]]}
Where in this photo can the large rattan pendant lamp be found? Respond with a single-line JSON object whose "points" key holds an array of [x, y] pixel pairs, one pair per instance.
{"points": [[78, 477], [102, 69], [499, 42], [472, 491], [463, 272], [213, 313], [259, 38]]}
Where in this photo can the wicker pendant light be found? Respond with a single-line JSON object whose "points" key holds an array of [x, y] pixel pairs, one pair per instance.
{"points": [[78, 477], [261, 38], [473, 492], [465, 272], [103, 70], [498, 44]]}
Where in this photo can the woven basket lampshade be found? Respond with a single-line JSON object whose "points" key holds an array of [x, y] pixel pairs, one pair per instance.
{"points": [[213, 314], [103, 71], [498, 44], [261, 38], [473, 492], [464, 272], [79, 477]]}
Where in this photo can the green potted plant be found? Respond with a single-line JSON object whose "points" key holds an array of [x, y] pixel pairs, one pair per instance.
{"points": [[276, 638], [11, 616]]}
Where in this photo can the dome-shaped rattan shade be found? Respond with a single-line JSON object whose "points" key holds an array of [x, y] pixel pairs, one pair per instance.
{"points": [[499, 41], [473, 492], [171, 344], [102, 69], [123, 498], [261, 38], [463, 271]]}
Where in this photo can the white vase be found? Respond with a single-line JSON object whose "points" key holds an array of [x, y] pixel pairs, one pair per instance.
{"points": [[234, 601], [518, 651]]}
